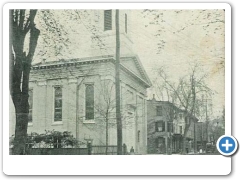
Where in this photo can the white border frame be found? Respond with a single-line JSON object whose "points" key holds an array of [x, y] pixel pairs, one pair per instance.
{"points": [[116, 165]]}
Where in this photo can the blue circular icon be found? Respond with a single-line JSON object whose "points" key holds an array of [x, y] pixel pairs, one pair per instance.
{"points": [[227, 145]]}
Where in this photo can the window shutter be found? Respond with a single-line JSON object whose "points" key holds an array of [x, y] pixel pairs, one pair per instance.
{"points": [[107, 20], [163, 126]]}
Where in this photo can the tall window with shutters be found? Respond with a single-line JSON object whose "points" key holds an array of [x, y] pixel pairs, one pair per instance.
{"points": [[57, 104], [107, 20], [30, 102], [89, 102]]}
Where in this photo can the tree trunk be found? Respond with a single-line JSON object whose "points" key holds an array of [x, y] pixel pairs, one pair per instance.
{"points": [[21, 128], [188, 120], [187, 125], [184, 145], [20, 65], [20, 100]]}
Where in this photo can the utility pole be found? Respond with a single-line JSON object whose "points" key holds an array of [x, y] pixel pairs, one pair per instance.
{"points": [[194, 123], [166, 131], [207, 119], [202, 135], [194, 131], [117, 86], [77, 111]]}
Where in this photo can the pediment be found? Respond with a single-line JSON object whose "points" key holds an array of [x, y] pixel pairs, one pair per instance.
{"points": [[134, 65]]}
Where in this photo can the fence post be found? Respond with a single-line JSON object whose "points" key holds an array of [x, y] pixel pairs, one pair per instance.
{"points": [[132, 151], [124, 149], [89, 147]]}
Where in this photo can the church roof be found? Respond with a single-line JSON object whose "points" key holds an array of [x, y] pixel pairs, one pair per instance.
{"points": [[130, 64]]}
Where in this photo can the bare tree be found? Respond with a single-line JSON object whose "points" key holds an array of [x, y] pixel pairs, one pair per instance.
{"points": [[186, 93], [105, 107]]}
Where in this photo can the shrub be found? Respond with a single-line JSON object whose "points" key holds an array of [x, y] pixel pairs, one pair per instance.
{"points": [[50, 139]]}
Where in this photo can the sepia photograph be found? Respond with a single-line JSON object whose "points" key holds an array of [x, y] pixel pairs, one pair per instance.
{"points": [[116, 81]]}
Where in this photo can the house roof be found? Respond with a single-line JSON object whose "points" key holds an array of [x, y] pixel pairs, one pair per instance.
{"points": [[172, 104], [129, 64]]}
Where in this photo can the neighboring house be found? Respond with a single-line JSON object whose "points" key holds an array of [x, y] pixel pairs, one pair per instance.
{"points": [[166, 126], [215, 129], [78, 95]]}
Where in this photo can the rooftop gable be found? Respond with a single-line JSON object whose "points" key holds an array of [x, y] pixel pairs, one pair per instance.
{"points": [[130, 64], [173, 106], [134, 64]]}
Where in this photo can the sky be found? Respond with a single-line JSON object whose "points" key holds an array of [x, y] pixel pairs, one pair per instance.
{"points": [[188, 36], [173, 39]]}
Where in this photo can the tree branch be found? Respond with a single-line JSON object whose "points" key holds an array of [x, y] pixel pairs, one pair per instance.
{"points": [[21, 20], [30, 22], [34, 34], [16, 17]]}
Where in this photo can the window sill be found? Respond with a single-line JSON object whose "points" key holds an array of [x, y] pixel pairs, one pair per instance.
{"points": [[57, 123], [91, 121]]}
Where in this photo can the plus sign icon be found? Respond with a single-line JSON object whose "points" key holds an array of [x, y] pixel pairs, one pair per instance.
{"points": [[227, 145]]}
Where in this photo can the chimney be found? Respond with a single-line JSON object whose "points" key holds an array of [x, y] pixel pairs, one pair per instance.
{"points": [[154, 97], [43, 61]]}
